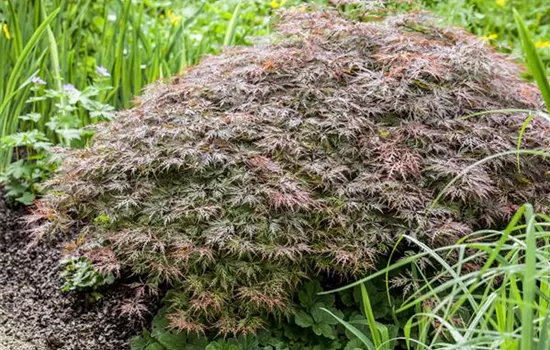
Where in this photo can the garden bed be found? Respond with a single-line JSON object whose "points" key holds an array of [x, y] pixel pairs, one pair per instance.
{"points": [[35, 314]]}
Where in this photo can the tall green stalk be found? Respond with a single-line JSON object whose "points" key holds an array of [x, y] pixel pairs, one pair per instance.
{"points": [[8, 114]]}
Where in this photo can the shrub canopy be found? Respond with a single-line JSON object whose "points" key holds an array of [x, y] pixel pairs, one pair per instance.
{"points": [[309, 155]]}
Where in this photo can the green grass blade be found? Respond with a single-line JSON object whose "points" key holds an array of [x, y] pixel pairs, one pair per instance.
{"points": [[482, 161], [529, 283], [16, 29], [368, 343], [544, 343], [54, 54], [534, 62], [520, 138], [367, 309], [230, 32], [497, 111]]}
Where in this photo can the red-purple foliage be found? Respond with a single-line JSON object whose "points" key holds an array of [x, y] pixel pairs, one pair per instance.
{"points": [[265, 165]]}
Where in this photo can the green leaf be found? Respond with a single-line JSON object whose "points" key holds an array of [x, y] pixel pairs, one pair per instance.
{"points": [[17, 71], [302, 319], [221, 345], [69, 134], [172, 340], [355, 344], [138, 343], [155, 346], [18, 170], [196, 343], [15, 189], [325, 330], [27, 198], [320, 316], [360, 322], [367, 309], [109, 279], [308, 293], [159, 323], [34, 117]]}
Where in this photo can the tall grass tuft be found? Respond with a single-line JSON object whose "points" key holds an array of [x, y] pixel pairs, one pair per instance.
{"points": [[491, 290]]}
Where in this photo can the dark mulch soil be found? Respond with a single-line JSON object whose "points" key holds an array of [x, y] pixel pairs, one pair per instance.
{"points": [[35, 314]]}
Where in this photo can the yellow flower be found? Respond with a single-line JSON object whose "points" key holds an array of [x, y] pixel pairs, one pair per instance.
{"points": [[4, 28], [542, 44], [501, 2], [173, 18], [491, 36], [275, 4]]}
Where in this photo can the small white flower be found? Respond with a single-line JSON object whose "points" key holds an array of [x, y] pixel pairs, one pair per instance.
{"points": [[102, 71], [69, 88], [38, 81]]}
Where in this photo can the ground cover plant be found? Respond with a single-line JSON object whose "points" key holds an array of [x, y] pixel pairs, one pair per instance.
{"points": [[265, 166]]}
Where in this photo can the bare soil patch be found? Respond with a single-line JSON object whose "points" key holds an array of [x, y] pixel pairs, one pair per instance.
{"points": [[35, 314]]}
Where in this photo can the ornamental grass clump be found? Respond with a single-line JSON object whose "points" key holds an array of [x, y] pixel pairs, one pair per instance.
{"points": [[265, 166]]}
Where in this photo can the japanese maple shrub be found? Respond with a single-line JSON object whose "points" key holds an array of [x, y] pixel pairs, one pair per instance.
{"points": [[307, 156]]}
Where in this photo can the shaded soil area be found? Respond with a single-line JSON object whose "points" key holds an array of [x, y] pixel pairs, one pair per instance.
{"points": [[35, 314]]}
